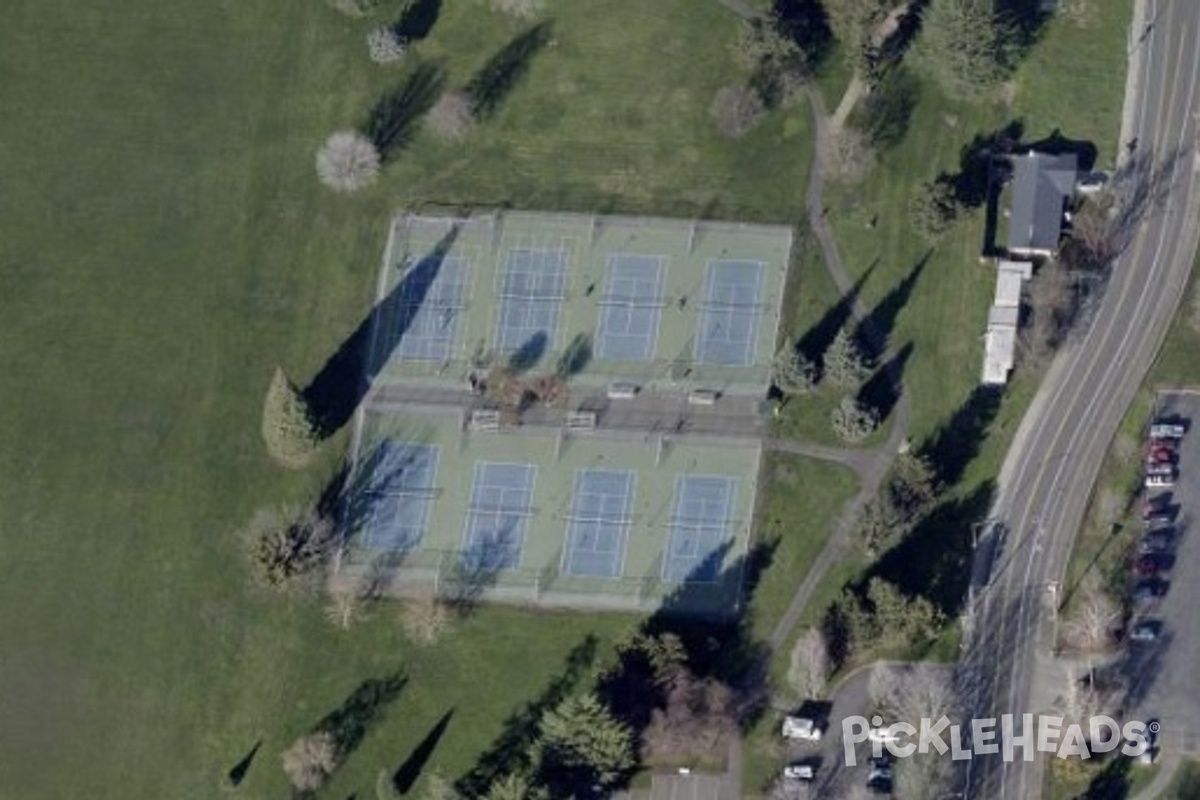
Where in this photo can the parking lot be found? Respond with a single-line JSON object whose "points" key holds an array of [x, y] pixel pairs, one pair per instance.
{"points": [[1163, 672]]}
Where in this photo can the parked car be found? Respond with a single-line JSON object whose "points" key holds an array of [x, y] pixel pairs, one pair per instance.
{"points": [[1160, 468], [1147, 630], [1167, 430], [1149, 565], [1160, 455], [880, 776], [1159, 481], [1149, 590], [799, 772], [1158, 540], [1158, 520], [801, 728]]}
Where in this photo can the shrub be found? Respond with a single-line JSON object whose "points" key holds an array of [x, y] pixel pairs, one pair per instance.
{"points": [[736, 110], [934, 208], [347, 162], [385, 45], [287, 427], [452, 116]]}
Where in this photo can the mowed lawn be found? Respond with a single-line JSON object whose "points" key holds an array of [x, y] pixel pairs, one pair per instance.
{"points": [[1072, 81], [163, 244]]}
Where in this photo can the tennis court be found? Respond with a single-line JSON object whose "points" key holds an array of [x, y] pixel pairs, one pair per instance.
{"points": [[531, 297], [600, 520], [399, 496], [732, 306], [700, 527], [498, 516], [631, 307], [431, 315], [670, 305]]}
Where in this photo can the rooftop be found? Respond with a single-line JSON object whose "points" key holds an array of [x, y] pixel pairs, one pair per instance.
{"points": [[1042, 185]]}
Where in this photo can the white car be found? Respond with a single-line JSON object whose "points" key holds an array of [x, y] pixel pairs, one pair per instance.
{"points": [[1159, 481], [1160, 469], [1165, 430], [799, 772], [801, 728]]}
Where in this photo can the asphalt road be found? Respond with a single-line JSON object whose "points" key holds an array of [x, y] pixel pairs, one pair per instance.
{"points": [[1053, 465]]}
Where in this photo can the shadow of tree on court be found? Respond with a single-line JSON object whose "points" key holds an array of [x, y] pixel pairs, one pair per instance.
{"points": [[350, 721], [392, 121], [575, 357], [513, 749], [526, 357], [504, 70], [408, 772], [335, 392]]}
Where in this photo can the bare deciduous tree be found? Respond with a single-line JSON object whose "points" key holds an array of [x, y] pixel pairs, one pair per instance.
{"points": [[353, 8], [1094, 620], [344, 609], [385, 45], [425, 617], [311, 760], [452, 116], [287, 544], [696, 724], [847, 155], [521, 9], [910, 693], [736, 110], [809, 670], [347, 162]]}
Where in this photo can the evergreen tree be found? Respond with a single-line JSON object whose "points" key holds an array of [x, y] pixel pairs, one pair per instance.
{"points": [[581, 742], [845, 364], [792, 372], [287, 427]]}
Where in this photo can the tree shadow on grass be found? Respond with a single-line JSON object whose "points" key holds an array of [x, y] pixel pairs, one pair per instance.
{"points": [[813, 343], [876, 328], [806, 23], [976, 160], [392, 121], [934, 561], [503, 71], [335, 392], [408, 772], [882, 391], [512, 751], [350, 721], [238, 771], [1113, 782], [956, 443], [418, 19]]}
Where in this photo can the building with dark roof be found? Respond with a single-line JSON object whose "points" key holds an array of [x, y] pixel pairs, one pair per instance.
{"points": [[1041, 188]]}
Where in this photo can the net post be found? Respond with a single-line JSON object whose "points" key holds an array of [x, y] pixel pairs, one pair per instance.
{"points": [[691, 240], [658, 451]]}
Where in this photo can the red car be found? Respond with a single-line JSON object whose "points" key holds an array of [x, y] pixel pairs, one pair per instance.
{"points": [[1147, 566], [1160, 455]]}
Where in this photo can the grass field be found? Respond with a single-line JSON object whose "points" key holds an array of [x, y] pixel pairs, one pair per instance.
{"points": [[165, 243]]}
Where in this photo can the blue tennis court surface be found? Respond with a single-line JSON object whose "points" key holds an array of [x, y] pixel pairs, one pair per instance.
{"points": [[531, 294], [400, 496], [699, 527], [428, 315], [600, 520], [630, 308], [498, 515], [729, 320]]}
